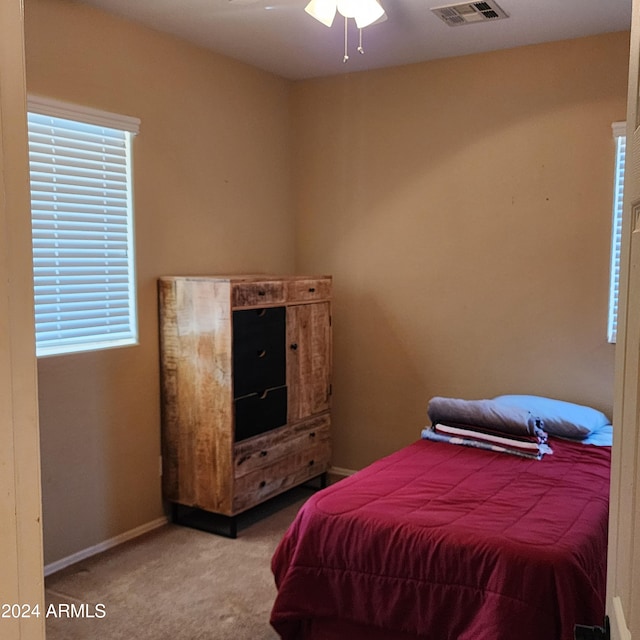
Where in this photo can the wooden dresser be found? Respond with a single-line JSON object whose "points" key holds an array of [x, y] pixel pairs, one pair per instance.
{"points": [[246, 390]]}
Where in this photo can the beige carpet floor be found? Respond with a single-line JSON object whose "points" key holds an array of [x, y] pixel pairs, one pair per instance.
{"points": [[177, 583]]}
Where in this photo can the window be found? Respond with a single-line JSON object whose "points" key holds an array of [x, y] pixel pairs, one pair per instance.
{"points": [[82, 227], [619, 134]]}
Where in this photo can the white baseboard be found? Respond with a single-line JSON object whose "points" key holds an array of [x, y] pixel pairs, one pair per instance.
{"points": [[138, 531], [619, 629], [103, 546], [340, 471]]}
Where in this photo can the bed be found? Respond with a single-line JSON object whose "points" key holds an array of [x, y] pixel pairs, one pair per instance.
{"points": [[445, 542]]}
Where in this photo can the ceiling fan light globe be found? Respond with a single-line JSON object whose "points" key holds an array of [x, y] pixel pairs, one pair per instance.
{"points": [[348, 8], [365, 12], [322, 10], [371, 11]]}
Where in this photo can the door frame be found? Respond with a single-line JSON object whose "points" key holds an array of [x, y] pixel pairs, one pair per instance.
{"points": [[21, 579]]}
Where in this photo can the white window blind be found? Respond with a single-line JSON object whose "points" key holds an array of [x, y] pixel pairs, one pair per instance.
{"points": [[82, 226], [619, 134]]}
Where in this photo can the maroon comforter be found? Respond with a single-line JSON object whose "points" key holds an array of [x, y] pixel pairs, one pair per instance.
{"points": [[450, 543]]}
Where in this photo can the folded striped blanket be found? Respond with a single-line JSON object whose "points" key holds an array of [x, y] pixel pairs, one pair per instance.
{"points": [[438, 433], [526, 443]]}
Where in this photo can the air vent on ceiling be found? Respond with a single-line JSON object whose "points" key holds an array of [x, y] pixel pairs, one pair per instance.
{"points": [[470, 12]]}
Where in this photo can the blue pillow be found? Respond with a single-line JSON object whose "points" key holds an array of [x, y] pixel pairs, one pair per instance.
{"points": [[560, 418]]}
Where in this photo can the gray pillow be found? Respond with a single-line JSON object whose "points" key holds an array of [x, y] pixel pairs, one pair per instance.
{"points": [[487, 414]]}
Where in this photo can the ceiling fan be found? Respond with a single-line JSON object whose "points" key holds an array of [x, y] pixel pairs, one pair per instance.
{"points": [[364, 12]]}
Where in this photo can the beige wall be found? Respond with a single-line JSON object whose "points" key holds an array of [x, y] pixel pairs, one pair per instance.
{"points": [[463, 207], [212, 194]]}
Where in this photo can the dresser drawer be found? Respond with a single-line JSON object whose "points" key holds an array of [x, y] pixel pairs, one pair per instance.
{"points": [[258, 350], [268, 481], [265, 449], [260, 412], [251, 294], [308, 290]]}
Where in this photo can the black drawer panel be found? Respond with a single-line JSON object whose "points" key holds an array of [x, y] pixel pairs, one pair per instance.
{"points": [[258, 350], [260, 412]]}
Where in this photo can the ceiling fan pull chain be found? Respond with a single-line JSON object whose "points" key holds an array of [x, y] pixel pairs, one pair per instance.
{"points": [[346, 55], [360, 49]]}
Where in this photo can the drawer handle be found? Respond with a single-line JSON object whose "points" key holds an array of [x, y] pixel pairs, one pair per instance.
{"points": [[294, 346], [262, 292], [263, 484], [261, 353], [312, 289], [311, 463], [263, 454], [312, 434]]}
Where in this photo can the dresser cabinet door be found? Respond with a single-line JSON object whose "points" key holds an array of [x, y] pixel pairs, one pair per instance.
{"points": [[308, 359]]}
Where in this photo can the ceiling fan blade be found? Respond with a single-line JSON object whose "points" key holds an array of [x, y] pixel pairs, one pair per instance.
{"points": [[322, 10]]}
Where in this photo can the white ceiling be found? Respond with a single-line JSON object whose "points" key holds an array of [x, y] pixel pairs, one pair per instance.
{"points": [[278, 36]]}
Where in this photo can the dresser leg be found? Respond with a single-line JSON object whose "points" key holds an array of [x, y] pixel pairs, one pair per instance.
{"points": [[233, 527], [221, 525]]}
